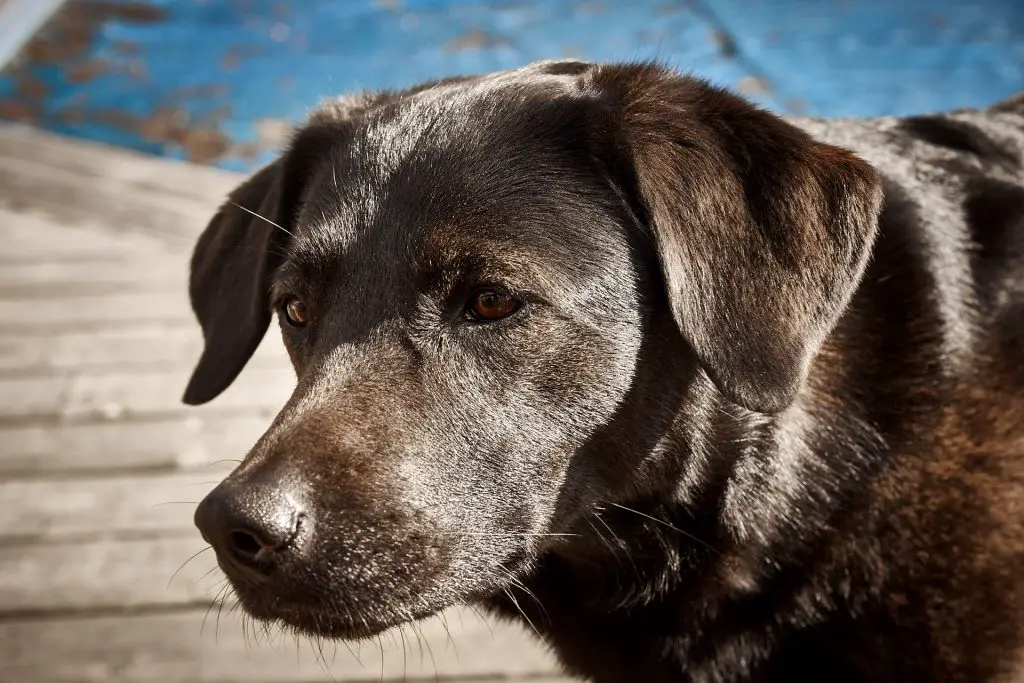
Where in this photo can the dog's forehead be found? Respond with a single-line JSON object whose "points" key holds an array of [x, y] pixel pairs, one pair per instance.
{"points": [[461, 116], [457, 164]]}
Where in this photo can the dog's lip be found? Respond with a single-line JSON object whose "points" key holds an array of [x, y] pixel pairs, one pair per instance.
{"points": [[316, 620], [239, 573]]}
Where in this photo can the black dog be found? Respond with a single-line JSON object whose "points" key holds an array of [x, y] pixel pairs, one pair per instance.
{"points": [[611, 350]]}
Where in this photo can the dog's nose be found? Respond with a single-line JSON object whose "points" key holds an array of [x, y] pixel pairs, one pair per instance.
{"points": [[251, 527]]}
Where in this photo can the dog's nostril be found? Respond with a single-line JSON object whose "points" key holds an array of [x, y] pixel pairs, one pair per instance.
{"points": [[254, 527], [246, 543]]}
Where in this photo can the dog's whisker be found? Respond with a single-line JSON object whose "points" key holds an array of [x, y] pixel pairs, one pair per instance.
{"points": [[263, 218], [183, 564], [448, 633], [523, 587], [405, 662], [670, 526], [619, 542], [430, 653], [522, 612], [216, 599], [482, 618], [224, 460], [499, 534]]}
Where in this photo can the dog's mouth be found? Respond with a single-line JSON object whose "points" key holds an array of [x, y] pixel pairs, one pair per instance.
{"points": [[305, 606], [324, 618]]}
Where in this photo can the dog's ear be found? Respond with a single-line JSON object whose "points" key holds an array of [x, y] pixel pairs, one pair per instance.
{"points": [[763, 233], [234, 261]]}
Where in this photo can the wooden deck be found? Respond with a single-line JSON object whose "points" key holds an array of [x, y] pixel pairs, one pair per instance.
{"points": [[100, 465]]}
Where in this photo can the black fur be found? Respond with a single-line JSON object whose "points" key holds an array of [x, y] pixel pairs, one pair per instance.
{"points": [[750, 422]]}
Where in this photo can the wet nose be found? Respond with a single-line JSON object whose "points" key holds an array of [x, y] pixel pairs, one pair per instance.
{"points": [[252, 528]]}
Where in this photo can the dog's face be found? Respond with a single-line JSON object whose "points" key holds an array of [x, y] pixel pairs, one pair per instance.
{"points": [[496, 293]]}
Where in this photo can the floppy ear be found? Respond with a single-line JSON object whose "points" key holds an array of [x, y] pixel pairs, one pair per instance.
{"points": [[228, 287], [763, 233]]}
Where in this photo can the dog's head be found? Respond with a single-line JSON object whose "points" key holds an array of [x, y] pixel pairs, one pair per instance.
{"points": [[496, 293]]}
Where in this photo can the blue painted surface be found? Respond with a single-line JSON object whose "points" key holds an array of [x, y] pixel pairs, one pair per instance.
{"points": [[213, 80]]}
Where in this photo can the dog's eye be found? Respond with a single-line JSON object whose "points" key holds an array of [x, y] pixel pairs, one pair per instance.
{"points": [[489, 306], [295, 312]]}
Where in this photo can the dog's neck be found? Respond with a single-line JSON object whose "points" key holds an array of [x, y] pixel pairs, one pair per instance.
{"points": [[731, 532]]}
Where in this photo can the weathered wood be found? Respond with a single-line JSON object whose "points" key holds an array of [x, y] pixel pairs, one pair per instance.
{"points": [[186, 441], [31, 236], [69, 312], [137, 395], [48, 510], [168, 273], [178, 648], [105, 575], [126, 347], [63, 197], [165, 177]]}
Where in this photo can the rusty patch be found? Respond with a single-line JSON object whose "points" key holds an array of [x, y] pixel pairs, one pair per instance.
{"points": [[163, 125], [71, 33], [229, 61], [29, 87], [204, 145], [754, 85], [246, 151], [138, 70], [273, 133], [134, 12], [201, 141], [475, 39], [12, 110], [72, 116], [86, 71], [125, 48]]}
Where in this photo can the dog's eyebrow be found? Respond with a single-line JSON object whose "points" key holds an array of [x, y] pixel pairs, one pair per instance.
{"points": [[285, 283]]}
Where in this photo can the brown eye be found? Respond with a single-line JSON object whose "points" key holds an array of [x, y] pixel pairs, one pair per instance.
{"points": [[295, 313], [488, 306]]}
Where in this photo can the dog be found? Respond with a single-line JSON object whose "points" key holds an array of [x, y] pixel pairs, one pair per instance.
{"points": [[698, 392]]}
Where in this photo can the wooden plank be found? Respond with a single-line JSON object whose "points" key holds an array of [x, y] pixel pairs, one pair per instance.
{"points": [[122, 347], [140, 395], [170, 271], [32, 237], [178, 648], [187, 441], [126, 208], [105, 575], [110, 507], [38, 178], [167, 305], [169, 177]]}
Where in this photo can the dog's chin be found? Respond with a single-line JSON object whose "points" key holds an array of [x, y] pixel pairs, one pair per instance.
{"points": [[323, 619]]}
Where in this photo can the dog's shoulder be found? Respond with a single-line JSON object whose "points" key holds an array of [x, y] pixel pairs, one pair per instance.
{"points": [[953, 214], [935, 337]]}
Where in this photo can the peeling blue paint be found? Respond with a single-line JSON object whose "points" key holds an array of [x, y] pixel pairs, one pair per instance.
{"points": [[213, 80]]}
